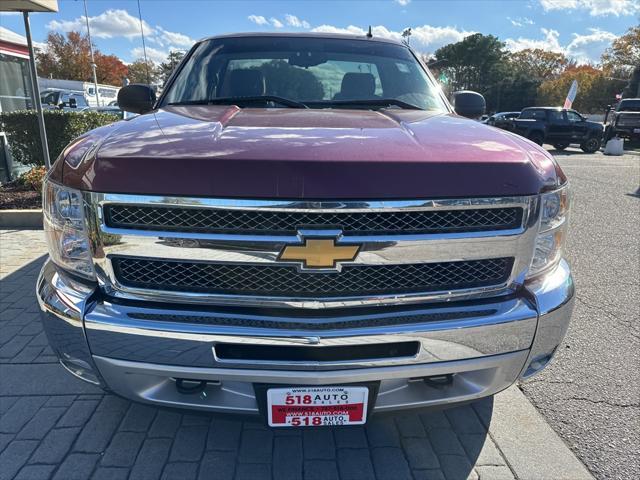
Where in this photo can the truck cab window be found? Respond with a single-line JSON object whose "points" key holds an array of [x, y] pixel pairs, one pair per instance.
{"points": [[574, 117]]}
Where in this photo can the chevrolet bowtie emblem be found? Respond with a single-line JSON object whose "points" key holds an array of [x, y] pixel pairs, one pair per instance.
{"points": [[319, 253]]}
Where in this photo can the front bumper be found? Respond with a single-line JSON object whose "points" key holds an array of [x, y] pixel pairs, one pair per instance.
{"points": [[139, 349]]}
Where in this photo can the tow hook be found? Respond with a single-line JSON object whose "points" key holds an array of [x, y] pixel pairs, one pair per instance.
{"points": [[190, 387], [438, 381]]}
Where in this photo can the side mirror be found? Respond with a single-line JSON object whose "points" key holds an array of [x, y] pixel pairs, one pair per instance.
{"points": [[136, 98], [469, 104], [73, 103]]}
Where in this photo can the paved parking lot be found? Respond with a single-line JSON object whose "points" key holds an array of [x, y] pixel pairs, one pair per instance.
{"points": [[55, 426], [591, 392]]}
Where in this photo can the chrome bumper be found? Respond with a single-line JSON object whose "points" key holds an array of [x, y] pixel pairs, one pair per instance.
{"points": [[138, 349]]}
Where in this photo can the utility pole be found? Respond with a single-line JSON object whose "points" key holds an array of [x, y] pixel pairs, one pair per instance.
{"points": [[93, 63]]}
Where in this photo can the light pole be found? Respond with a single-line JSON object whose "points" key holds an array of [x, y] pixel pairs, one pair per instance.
{"points": [[93, 63], [36, 92]]}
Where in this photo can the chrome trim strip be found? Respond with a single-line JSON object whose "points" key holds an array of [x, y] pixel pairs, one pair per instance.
{"points": [[310, 206], [263, 249]]}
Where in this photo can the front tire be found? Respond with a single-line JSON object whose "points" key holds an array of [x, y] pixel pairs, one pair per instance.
{"points": [[591, 145], [561, 146]]}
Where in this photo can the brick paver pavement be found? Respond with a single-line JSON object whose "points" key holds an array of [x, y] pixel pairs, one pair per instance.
{"points": [[55, 426]]}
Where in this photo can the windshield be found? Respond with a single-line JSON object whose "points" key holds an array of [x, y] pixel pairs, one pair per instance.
{"points": [[629, 105], [533, 114], [314, 72], [49, 98]]}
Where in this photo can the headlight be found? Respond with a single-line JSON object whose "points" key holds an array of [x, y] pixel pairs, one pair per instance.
{"points": [[65, 229], [554, 211]]}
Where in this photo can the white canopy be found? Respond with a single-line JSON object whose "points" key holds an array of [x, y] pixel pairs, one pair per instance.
{"points": [[29, 6]]}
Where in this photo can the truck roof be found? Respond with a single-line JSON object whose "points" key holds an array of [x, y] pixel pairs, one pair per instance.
{"points": [[343, 36], [546, 108]]}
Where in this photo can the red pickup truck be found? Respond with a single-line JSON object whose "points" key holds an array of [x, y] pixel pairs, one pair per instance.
{"points": [[303, 227]]}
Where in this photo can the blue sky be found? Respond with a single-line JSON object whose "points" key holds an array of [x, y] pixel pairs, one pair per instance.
{"points": [[580, 28]]}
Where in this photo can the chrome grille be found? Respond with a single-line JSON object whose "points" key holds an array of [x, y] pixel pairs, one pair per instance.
{"points": [[307, 324], [207, 220], [272, 280]]}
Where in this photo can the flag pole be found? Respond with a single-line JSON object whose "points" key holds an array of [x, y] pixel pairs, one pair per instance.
{"points": [[93, 63]]}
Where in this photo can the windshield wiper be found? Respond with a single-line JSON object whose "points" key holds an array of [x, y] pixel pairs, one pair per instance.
{"points": [[244, 100], [373, 102]]}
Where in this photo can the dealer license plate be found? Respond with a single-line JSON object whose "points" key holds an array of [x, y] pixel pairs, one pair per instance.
{"points": [[317, 406]]}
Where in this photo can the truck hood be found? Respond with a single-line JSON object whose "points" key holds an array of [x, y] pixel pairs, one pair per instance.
{"points": [[224, 151]]}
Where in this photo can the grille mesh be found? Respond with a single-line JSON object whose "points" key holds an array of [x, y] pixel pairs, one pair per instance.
{"points": [[286, 222], [353, 280], [311, 325]]}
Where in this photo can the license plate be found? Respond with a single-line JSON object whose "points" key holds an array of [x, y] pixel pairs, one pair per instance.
{"points": [[317, 406], [636, 130]]}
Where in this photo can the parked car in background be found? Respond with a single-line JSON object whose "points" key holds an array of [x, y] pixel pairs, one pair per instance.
{"points": [[502, 119], [112, 110], [312, 251], [106, 93], [558, 127], [623, 120], [63, 100]]}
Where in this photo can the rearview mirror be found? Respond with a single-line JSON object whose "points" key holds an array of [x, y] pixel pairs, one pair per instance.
{"points": [[469, 104], [136, 98], [307, 59]]}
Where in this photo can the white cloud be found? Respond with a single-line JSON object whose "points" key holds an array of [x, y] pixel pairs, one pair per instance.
{"points": [[165, 37], [549, 42], [589, 48], [153, 54], [331, 29], [109, 24], [404, 3], [425, 37], [276, 23], [520, 21], [258, 19], [595, 7], [294, 21], [585, 48]]}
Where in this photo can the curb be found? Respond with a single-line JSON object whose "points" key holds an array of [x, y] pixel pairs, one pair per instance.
{"points": [[31, 219], [531, 448]]}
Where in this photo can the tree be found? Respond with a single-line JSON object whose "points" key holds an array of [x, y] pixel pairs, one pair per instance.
{"points": [[143, 72], [285, 80], [109, 69], [538, 64], [595, 89], [168, 66], [624, 53], [65, 58], [478, 62], [70, 59]]}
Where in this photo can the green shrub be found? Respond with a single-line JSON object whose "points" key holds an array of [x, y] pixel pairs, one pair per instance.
{"points": [[21, 128]]}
